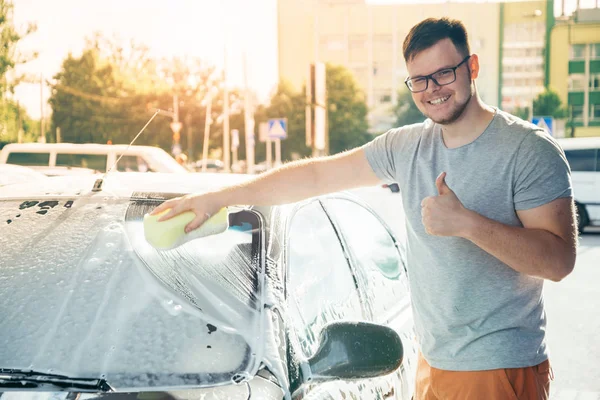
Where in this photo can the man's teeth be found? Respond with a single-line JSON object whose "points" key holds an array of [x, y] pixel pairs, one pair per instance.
{"points": [[440, 100]]}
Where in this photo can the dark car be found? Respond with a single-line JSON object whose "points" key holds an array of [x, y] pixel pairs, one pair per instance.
{"points": [[302, 301]]}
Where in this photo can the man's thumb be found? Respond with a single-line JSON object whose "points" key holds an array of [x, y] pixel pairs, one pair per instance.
{"points": [[441, 185]]}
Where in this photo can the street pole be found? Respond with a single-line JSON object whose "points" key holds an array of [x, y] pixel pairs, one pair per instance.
{"points": [[277, 152], [42, 136], [226, 159], [269, 154], [248, 122], [20, 124], [206, 132], [226, 144], [190, 136]]}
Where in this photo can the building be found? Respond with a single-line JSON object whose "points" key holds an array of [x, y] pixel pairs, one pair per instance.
{"points": [[367, 39], [525, 27], [575, 68]]}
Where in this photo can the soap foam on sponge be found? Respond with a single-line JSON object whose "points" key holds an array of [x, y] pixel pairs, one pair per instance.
{"points": [[168, 234]]}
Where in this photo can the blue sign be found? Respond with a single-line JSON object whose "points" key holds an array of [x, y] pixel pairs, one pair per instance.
{"points": [[546, 123], [277, 128]]}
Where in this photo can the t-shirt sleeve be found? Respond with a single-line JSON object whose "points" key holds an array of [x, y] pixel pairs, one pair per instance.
{"points": [[384, 151], [542, 173]]}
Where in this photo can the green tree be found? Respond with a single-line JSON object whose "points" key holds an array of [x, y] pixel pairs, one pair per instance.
{"points": [[346, 110], [521, 112], [87, 103], [548, 103], [286, 103], [10, 56], [406, 111], [12, 116]]}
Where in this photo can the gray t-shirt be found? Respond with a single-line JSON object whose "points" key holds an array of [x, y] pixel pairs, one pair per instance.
{"points": [[472, 311]]}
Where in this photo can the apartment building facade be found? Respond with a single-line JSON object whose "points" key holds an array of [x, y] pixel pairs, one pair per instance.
{"points": [[575, 68], [524, 28], [367, 39]]}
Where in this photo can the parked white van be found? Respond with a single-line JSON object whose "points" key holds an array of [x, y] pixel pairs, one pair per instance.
{"points": [[583, 155], [49, 158]]}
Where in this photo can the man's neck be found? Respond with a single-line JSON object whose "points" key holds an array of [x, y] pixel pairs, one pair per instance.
{"points": [[470, 125]]}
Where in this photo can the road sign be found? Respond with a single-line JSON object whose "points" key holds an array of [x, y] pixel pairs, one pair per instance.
{"points": [[546, 123], [277, 128]]}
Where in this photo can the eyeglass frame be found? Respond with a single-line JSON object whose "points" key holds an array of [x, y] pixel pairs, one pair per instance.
{"points": [[430, 76]]}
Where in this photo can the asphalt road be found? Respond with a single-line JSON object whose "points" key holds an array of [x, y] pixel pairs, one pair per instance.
{"points": [[573, 311]]}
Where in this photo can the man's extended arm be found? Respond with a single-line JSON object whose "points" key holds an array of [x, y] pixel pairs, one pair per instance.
{"points": [[287, 184]]}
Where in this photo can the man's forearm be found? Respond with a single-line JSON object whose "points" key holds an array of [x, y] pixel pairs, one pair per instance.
{"points": [[533, 252], [302, 179], [289, 183]]}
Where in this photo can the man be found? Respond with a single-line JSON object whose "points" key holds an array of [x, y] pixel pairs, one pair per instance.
{"points": [[489, 214]]}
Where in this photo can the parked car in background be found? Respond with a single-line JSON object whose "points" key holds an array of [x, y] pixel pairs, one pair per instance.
{"points": [[47, 157], [11, 174], [583, 155], [303, 301]]}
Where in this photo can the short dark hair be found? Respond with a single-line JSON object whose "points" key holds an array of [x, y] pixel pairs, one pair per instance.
{"points": [[430, 31]]}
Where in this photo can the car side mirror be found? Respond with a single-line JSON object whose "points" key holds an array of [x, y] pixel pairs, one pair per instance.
{"points": [[394, 188], [354, 350]]}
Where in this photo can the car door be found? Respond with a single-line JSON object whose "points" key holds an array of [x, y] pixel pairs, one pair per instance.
{"points": [[320, 288], [379, 265]]}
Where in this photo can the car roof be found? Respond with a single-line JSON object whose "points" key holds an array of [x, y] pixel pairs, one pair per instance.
{"points": [[579, 143], [73, 146]]}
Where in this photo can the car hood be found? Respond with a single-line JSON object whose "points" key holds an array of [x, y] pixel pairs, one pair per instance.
{"points": [[80, 295]]}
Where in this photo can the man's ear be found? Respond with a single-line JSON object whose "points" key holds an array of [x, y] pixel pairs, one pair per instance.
{"points": [[473, 63]]}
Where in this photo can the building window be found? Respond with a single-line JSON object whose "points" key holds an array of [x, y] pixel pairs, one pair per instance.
{"points": [[333, 43], [577, 52], [595, 112], [358, 42], [577, 113], [595, 82], [576, 83], [595, 51]]}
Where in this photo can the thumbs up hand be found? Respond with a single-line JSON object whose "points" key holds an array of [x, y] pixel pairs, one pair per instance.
{"points": [[443, 215]]}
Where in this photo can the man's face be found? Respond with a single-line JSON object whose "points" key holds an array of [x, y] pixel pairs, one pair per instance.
{"points": [[443, 104]]}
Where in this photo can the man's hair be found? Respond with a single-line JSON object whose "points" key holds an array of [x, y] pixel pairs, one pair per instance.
{"points": [[430, 31]]}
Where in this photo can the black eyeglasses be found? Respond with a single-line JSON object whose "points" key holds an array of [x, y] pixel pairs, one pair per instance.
{"points": [[442, 77]]}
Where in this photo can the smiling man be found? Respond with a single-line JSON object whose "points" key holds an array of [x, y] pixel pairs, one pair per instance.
{"points": [[489, 213]]}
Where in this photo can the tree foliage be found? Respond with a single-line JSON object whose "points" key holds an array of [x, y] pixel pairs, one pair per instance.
{"points": [[548, 103], [346, 111], [13, 117], [109, 92]]}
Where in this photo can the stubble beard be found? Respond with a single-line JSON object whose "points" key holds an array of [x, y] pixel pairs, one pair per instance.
{"points": [[456, 114]]}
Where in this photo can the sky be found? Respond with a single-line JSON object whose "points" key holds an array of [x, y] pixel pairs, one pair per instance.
{"points": [[198, 28]]}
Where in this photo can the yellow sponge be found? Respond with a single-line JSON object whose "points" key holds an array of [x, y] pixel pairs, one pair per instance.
{"points": [[165, 235]]}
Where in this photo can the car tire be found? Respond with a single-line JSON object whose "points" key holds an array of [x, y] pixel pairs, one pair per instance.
{"points": [[583, 219]]}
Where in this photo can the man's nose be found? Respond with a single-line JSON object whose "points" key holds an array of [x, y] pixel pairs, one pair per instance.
{"points": [[432, 85]]}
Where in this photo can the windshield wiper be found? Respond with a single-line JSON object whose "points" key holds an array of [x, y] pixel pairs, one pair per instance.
{"points": [[28, 379]]}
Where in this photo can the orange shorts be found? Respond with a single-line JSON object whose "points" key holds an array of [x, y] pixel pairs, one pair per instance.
{"points": [[530, 383]]}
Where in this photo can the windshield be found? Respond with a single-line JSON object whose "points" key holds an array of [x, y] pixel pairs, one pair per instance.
{"points": [[83, 294]]}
